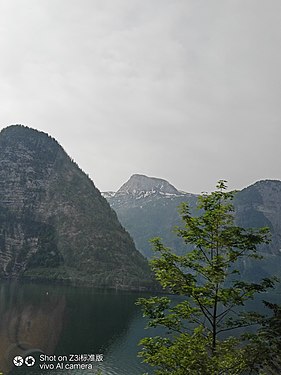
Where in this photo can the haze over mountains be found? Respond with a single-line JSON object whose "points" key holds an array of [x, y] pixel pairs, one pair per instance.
{"points": [[148, 207], [259, 205], [54, 223]]}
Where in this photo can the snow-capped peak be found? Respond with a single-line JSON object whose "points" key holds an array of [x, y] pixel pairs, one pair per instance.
{"points": [[141, 186]]}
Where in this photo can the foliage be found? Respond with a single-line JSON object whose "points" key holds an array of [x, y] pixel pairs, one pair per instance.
{"points": [[267, 343], [211, 307]]}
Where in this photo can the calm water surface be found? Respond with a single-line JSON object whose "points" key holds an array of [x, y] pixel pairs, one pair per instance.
{"points": [[38, 320], [60, 321]]}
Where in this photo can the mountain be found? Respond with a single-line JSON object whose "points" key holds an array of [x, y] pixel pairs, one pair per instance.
{"points": [[259, 205], [148, 207], [54, 223], [141, 186]]}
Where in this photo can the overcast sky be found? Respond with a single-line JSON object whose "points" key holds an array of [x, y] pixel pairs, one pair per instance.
{"points": [[186, 90]]}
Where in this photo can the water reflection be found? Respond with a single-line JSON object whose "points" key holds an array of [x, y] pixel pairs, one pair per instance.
{"points": [[57, 320], [30, 322]]}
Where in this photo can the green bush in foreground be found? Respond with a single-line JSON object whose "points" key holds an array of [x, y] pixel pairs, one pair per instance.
{"points": [[202, 325]]}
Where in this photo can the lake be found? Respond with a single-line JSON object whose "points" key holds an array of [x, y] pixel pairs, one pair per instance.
{"points": [[80, 329], [74, 331]]}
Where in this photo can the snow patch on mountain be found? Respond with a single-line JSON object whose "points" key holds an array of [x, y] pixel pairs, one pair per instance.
{"points": [[140, 187]]}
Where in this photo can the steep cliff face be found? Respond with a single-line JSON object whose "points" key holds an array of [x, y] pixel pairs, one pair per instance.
{"points": [[54, 223]]}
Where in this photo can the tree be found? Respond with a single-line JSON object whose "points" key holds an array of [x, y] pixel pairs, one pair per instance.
{"points": [[201, 322]]}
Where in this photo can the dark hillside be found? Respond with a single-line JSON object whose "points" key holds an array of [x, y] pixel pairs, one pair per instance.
{"points": [[54, 223]]}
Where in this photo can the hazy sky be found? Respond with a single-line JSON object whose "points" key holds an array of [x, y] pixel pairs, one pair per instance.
{"points": [[186, 90]]}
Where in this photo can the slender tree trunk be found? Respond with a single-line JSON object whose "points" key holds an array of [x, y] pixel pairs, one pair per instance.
{"points": [[214, 335]]}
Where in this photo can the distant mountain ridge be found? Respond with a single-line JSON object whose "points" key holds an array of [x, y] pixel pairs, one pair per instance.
{"points": [[54, 223], [148, 207], [146, 213]]}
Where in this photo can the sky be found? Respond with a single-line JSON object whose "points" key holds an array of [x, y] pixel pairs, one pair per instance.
{"points": [[185, 90]]}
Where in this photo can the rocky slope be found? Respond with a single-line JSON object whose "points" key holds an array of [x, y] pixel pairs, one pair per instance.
{"points": [[54, 223], [140, 186]]}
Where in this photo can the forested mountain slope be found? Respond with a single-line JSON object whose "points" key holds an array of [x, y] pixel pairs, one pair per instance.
{"points": [[54, 223]]}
